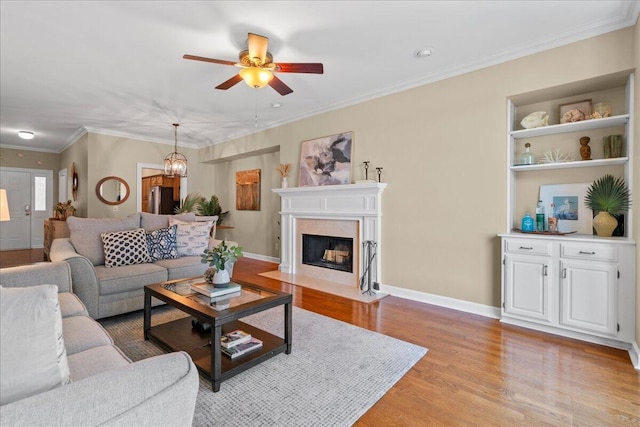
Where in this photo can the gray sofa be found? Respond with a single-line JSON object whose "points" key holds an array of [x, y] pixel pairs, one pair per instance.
{"points": [[106, 388], [110, 291]]}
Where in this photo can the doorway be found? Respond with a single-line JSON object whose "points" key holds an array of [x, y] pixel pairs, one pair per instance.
{"points": [[146, 169], [30, 200]]}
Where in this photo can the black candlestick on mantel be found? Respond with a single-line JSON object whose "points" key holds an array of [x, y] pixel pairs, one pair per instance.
{"points": [[366, 170], [379, 174]]}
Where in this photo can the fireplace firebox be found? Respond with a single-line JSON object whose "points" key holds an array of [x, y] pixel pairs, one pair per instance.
{"points": [[331, 252]]}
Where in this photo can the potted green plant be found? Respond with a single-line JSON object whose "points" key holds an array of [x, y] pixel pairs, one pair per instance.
{"points": [[211, 207], [191, 203], [221, 259], [607, 196]]}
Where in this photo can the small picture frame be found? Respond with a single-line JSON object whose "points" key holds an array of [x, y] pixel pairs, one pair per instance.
{"points": [[568, 112]]}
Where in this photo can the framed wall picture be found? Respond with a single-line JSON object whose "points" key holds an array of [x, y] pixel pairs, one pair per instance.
{"points": [[575, 111], [566, 202], [248, 190], [326, 160]]}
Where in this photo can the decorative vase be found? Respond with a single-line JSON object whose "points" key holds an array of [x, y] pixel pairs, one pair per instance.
{"points": [[604, 223], [221, 279], [285, 183]]}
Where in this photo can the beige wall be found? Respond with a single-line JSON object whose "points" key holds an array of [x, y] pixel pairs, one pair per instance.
{"points": [[78, 153], [442, 147], [255, 231]]}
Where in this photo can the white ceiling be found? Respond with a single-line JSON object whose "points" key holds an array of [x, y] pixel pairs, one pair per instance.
{"points": [[116, 67]]}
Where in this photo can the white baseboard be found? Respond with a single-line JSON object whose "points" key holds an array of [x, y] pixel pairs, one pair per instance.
{"points": [[262, 257], [455, 304], [634, 354]]}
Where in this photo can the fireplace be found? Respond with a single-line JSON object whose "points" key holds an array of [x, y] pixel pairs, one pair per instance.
{"points": [[349, 213], [332, 252]]}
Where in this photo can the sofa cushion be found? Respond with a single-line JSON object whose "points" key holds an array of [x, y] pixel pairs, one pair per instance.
{"points": [[33, 357], [128, 278], [125, 248], [95, 361], [70, 305], [186, 266], [162, 243], [193, 237], [151, 222], [82, 333], [85, 233]]}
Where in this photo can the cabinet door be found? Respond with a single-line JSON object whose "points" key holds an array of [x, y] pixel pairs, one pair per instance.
{"points": [[527, 292], [589, 296], [146, 189]]}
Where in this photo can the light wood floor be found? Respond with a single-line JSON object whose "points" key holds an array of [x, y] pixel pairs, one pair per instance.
{"points": [[479, 371]]}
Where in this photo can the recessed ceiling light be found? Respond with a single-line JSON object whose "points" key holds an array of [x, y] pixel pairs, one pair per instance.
{"points": [[276, 105], [26, 134], [421, 53]]}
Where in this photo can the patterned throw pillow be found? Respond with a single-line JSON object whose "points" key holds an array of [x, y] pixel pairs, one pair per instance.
{"points": [[193, 237], [162, 243], [125, 248]]}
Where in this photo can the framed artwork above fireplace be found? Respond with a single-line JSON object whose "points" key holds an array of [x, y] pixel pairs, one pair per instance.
{"points": [[326, 160]]}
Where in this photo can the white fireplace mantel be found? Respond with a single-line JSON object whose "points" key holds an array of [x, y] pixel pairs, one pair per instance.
{"points": [[359, 202]]}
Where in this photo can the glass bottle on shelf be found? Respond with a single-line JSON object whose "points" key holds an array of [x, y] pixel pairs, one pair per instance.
{"points": [[527, 158]]}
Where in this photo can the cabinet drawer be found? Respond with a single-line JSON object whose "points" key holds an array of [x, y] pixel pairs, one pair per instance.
{"points": [[588, 251], [531, 247]]}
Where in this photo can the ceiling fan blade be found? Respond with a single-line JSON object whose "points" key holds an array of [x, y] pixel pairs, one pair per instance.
{"points": [[312, 68], [230, 83], [279, 86], [215, 61], [257, 47]]}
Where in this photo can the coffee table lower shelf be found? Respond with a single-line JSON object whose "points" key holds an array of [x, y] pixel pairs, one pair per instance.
{"points": [[178, 335]]}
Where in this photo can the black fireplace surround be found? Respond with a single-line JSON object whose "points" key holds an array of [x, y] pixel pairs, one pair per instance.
{"points": [[335, 253]]}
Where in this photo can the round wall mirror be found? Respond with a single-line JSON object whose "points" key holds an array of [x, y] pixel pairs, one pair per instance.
{"points": [[112, 190]]}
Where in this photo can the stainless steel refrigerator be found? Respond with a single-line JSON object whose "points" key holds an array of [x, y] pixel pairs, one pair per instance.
{"points": [[161, 200]]}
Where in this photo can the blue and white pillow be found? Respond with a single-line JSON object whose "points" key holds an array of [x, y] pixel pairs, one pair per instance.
{"points": [[162, 243], [125, 248]]}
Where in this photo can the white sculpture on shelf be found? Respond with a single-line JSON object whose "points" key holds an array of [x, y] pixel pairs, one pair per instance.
{"points": [[556, 156], [535, 120]]}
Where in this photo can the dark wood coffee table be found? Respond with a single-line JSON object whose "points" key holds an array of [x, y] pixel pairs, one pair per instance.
{"points": [[223, 316]]}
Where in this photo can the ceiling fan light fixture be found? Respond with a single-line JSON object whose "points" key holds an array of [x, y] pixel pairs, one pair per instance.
{"points": [[175, 164], [256, 77], [24, 134]]}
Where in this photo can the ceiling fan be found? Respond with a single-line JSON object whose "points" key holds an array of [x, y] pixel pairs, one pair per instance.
{"points": [[258, 67]]}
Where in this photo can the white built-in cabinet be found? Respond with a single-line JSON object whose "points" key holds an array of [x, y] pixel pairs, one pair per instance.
{"points": [[576, 285]]}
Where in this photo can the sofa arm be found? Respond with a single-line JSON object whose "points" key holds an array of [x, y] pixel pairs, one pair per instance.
{"points": [[51, 273], [159, 391], [84, 282]]}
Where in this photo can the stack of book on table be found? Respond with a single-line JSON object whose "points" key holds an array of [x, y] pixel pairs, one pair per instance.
{"points": [[209, 290], [237, 343]]}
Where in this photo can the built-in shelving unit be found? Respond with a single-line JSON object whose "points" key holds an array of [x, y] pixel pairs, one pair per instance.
{"points": [[576, 285]]}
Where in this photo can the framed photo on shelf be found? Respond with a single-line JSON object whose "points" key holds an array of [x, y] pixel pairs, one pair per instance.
{"points": [[326, 160], [569, 114], [566, 202]]}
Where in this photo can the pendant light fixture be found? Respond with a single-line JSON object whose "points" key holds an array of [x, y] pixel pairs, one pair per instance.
{"points": [[175, 164]]}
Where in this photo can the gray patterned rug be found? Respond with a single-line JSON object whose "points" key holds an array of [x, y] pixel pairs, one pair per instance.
{"points": [[335, 373]]}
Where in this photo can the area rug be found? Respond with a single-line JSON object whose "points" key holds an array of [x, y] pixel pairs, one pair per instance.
{"points": [[335, 373]]}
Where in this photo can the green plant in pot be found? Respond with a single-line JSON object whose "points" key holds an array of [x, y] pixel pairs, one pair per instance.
{"points": [[607, 196], [191, 203], [221, 259], [212, 207]]}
